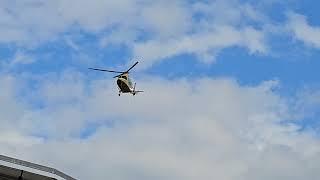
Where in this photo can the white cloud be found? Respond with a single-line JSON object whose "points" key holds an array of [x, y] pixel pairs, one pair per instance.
{"points": [[170, 27], [212, 27], [180, 129], [98, 14], [11, 108], [302, 30], [35, 21], [22, 58], [14, 140], [167, 18], [152, 31], [203, 45], [230, 12]]}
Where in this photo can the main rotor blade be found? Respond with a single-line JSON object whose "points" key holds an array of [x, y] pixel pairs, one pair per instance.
{"points": [[132, 66], [105, 70]]}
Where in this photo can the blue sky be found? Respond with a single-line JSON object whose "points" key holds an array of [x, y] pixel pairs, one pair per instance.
{"points": [[290, 61], [229, 73]]}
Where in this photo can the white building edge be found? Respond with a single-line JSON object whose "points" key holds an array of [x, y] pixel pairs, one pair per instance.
{"points": [[16, 169]]}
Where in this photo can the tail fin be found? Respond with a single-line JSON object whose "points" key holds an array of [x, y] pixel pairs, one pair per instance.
{"points": [[134, 92]]}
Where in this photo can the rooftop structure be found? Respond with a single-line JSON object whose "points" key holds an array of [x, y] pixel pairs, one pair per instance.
{"points": [[15, 169]]}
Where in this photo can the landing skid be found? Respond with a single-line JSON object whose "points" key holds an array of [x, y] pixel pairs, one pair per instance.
{"points": [[119, 94], [133, 93]]}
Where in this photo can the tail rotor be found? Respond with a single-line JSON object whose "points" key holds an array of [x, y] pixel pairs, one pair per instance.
{"points": [[134, 92]]}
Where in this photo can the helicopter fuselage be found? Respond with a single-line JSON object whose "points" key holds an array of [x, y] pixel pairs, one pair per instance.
{"points": [[124, 84]]}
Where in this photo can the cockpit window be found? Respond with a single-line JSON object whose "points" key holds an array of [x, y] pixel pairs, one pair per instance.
{"points": [[124, 77]]}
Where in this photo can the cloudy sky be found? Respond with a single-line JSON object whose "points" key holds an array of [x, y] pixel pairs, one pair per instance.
{"points": [[232, 88]]}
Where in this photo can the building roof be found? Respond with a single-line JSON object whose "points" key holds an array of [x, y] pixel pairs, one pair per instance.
{"points": [[16, 168], [9, 173]]}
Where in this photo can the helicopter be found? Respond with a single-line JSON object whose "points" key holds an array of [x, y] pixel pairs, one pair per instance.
{"points": [[123, 81]]}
